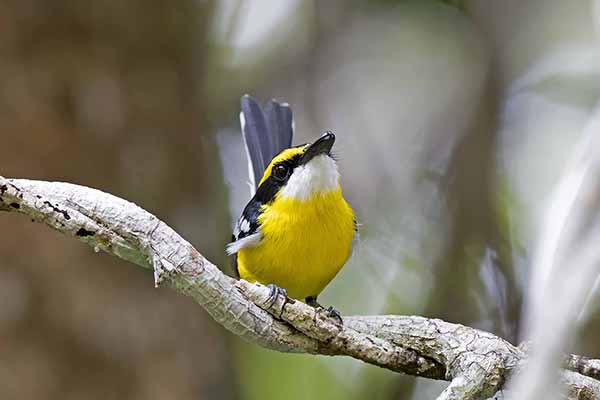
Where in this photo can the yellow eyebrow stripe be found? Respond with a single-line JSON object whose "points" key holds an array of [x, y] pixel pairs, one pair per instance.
{"points": [[284, 155]]}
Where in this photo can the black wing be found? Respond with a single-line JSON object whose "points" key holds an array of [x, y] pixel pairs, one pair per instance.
{"points": [[245, 232], [247, 224], [266, 133]]}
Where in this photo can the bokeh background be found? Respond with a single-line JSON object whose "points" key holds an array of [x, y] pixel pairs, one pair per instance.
{"points": [[455, 121]]}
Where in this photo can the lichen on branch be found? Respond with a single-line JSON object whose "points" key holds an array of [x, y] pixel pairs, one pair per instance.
{"points": [[476, 363]]}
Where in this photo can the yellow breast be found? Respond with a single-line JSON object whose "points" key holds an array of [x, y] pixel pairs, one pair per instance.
{"points": [[304, 244]]}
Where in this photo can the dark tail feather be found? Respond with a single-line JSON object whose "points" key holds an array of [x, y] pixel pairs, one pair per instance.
{"points": [[266, 133], [255, 133], [280, 124]]}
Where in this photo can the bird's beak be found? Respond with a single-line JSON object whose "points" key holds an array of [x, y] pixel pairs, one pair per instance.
{"points": [[322, 145]]}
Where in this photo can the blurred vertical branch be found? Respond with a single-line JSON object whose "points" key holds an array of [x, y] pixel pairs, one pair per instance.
{"points": [[566, 262], [471, 189]]}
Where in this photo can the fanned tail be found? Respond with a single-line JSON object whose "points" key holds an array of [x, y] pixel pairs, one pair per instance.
{"points": [[266, 132]]}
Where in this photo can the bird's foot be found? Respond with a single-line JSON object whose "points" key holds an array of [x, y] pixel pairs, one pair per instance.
{"points": [[331, 311], [274, 292]]}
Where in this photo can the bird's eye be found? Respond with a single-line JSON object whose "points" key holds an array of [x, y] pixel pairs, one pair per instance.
{"points": [[280, 172]]}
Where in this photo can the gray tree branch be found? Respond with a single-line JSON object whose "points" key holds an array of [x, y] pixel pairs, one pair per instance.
{"points": [[476, 363]]}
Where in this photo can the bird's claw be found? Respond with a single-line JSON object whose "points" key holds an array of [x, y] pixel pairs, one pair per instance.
{"points": [[333, 313], [274, 292]]}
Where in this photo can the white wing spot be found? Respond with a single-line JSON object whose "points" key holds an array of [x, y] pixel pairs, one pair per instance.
{"points": [[244, 225]]}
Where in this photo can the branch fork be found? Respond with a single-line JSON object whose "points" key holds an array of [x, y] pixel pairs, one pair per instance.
{"points": [[476, 363]]}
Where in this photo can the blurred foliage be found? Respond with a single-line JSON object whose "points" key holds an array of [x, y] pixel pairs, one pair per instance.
{"points": [[453, 118], [460, 4]]}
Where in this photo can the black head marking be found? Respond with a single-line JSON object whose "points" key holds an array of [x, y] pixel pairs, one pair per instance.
{"points": [[280, 174], [264, 195]]}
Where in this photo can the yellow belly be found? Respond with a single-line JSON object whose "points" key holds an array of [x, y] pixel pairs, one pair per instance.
{"points": [[304, 244]]}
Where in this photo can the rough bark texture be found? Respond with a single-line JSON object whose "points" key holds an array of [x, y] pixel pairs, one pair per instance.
{"points": [[476, 363]]}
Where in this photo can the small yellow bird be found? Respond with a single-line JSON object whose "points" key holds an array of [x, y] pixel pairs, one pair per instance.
{"points": [[297, 231]]}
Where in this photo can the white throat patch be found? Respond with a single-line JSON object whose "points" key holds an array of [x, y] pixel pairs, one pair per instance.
{"points": [[319, 175]]}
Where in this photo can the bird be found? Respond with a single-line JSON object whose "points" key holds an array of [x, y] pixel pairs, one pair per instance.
{"points": [[297, 231]]}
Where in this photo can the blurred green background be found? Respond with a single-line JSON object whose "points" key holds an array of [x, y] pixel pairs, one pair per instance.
{"points": [[453, 120]]}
